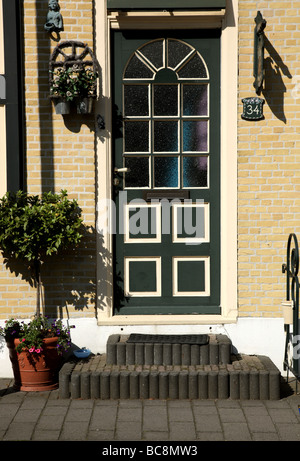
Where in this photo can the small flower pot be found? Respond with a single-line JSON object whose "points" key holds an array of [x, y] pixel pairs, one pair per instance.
{"points": [[36, 371], [62, 107], [85, 106]]}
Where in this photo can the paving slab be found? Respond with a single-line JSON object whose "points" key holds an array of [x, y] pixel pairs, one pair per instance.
{"points": [[27, 416]]}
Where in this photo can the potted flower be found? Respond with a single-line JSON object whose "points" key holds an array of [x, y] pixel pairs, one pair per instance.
{"points": [[35, 350], [76, 83], [33, 228], [87, 88], [62, 89]]}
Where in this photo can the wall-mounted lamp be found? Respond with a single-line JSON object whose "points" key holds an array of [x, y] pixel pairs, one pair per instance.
{"points": [[258, 58]]}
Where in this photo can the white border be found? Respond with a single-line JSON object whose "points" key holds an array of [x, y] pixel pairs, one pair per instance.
{"points": [[192, 240], [129, 206], [142, 294], [229, 82], [175, 261]]}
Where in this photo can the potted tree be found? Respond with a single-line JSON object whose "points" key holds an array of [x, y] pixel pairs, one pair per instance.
{"points": [[33, 228]]}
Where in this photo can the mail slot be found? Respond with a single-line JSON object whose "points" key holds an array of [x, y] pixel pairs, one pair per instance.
{"points": [[166, 195]]}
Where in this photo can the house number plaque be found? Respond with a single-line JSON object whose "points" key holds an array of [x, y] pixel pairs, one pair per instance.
{"points": [[253, 108]]}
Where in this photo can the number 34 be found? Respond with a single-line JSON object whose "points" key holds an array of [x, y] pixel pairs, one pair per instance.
{"points": [[250, 109]]}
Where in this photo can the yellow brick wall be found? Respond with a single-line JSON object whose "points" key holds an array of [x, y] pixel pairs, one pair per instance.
{"points": [[268, 157], [59, 155]]}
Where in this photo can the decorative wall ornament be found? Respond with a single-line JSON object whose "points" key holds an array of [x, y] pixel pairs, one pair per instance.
{"points": [[54, 21], [73, 77], [258, 58]]}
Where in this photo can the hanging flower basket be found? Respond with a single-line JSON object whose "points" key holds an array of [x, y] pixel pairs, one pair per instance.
{"points": [[73, 76], [61, 106], [85, 106]]}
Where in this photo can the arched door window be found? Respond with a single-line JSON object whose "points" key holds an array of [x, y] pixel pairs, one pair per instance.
{"points": [[166, 117]]}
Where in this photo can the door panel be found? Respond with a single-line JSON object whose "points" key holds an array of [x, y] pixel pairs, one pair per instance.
{"points": [[166, 136]]}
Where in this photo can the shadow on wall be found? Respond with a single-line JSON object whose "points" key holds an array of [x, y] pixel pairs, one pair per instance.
{"points": [[68, 279], [274, 87]]}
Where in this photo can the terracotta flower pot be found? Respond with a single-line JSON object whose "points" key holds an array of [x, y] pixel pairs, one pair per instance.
{"points": [[14, 362], [33, 371]]}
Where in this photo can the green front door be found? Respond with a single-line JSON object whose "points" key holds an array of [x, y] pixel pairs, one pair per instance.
{"points": [[166, 171]]}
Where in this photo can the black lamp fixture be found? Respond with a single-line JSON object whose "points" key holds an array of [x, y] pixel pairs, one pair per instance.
{"points": [[258, 58]]}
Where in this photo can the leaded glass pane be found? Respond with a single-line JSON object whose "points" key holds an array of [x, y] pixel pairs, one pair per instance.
{"points": [[165, 100], [138, 176], [195, 133], [137, 69], [166, 171], [154, 52], [136, 135], [166, 136], [194, 68], [177, 51], [194, 170], [136, 100], [194, 100]]}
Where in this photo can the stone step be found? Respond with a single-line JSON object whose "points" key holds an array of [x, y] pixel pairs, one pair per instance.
{"points": [[120, 352], [247, 377]]}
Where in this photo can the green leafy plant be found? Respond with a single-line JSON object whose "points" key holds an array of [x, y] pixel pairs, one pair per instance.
{"points": [[32, 334], [11, 330], [73, 82], [33, 228]]}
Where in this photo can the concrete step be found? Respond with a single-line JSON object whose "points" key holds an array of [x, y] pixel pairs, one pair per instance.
{"points": [[246, 377], [120, 352]]}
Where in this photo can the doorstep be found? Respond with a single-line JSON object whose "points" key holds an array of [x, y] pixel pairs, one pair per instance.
{"points": [[113, 376]]}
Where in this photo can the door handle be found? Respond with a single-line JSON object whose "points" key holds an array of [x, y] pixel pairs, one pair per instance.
{"points": [[121, 170]]}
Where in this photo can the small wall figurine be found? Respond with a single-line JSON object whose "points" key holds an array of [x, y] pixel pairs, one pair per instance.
{"points": [[54, 18]]}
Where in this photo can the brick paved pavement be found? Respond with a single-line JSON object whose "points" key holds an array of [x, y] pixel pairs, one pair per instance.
{"points": [[43, 416]]}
